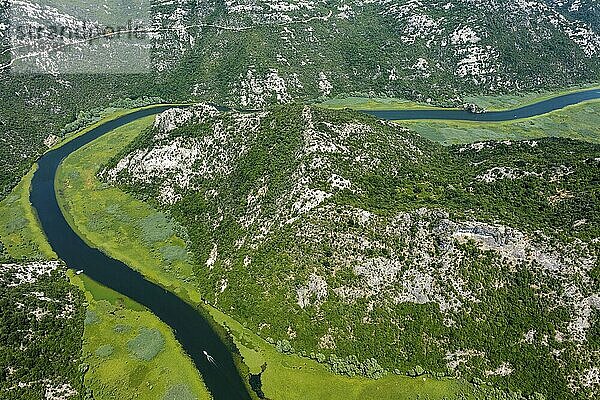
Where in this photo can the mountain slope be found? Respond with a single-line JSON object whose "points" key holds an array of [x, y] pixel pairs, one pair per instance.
{"points": [[363, 245], [254, 53]]}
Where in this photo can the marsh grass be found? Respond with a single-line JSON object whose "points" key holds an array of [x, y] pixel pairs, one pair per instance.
{"points": [[106, 350], [147, 344], [130, 351], [287, 377], [20, 233], [579, 122], [170, 254], [179, 392], [120, 328], [156, 227], [91, 317]]}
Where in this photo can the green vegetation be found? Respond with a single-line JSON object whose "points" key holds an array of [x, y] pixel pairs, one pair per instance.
{"points": [[579, 122], [123, 236], [377, 51], [129, 353], [367, 103], [41, 321], [41, 335], [20, 234], [516, 100], [324, 283], [292, 377], [104, 216]]}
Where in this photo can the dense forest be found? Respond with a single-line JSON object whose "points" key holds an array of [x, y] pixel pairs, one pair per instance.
{"points": [[41, 318], [332, 235]]}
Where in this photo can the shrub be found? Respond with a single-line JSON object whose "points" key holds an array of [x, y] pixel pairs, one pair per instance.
{"points": [[351, 366], [15, 224], [284, 346], [120, 328], [91, 317], [156, 228], [171, 254], [105, 350]]}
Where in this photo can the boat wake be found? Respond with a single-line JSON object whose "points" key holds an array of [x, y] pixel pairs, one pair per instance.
{"points": [[210, 358]]}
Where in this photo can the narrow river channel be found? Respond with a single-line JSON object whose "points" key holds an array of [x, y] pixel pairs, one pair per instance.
{"points": [[541, 107], [191, 329]]}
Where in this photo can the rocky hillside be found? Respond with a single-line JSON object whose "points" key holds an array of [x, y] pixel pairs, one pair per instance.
{"points": [[255, 53], [41, 316], [584, 10], [360, 244]]}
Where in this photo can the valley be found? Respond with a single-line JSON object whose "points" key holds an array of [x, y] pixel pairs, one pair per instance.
{"points": [[86, 200]]}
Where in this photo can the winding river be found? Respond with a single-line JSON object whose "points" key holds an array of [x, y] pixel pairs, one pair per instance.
{"points": [[541, 107], [193, 331]]}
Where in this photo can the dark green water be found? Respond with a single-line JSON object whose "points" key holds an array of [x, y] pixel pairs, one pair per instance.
{"points": [[542, 107], [192, 330]]}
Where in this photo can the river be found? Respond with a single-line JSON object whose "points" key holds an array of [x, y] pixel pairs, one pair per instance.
{"points": [[541, 107], [191, 329]]}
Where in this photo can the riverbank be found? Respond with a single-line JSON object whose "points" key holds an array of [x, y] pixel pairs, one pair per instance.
{"points": [[110, 375], [489, 103], [579, 121], [130, 352], [510, 101], [20, 231], [186, 321]]}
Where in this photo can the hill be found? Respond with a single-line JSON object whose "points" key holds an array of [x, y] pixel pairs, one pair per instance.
{"points": [[254, 53], [363, 245]]}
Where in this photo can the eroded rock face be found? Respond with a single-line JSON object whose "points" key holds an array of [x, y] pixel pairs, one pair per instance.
{"points": [[456, 42], [424, 251], [13, 274], [178, 162]]}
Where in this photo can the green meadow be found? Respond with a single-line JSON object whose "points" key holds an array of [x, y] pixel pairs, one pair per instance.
{"points": [[510, 101], [373, 103], [130, 353], [490, 103], [20, 232]]}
